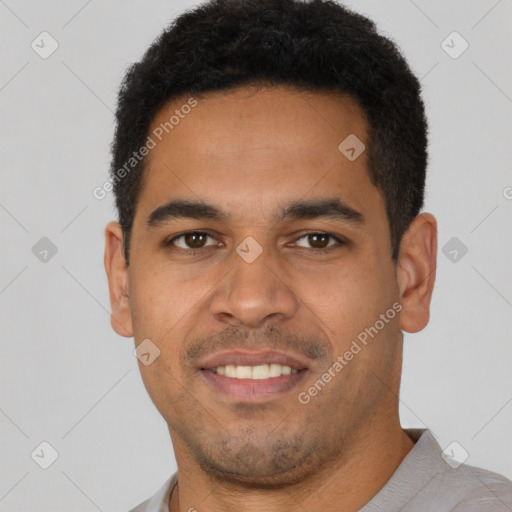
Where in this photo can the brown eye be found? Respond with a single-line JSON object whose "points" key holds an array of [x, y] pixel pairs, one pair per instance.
{"points": [[191, 240], [319, 241]]}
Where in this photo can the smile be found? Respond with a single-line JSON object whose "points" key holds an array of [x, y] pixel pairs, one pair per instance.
{"points": [[262, 371], [244, 376]]}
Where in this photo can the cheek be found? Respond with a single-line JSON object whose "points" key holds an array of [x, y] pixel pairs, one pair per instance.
{"points": [[337, 292], [160, 300], [159, 312], [346, 300], [146, 303]]}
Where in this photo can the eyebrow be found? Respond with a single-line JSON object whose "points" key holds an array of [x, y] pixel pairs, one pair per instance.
{"points": [[328, 208]]}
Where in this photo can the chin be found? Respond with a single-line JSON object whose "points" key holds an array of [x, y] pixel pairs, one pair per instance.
{"points": [[280, 465]]}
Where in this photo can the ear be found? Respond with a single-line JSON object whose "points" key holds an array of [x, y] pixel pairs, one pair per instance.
{"points": [[117, 273], [416, 272]]}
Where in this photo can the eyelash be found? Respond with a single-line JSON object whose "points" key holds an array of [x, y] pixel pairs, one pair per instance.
{"points": [[192, 252]]}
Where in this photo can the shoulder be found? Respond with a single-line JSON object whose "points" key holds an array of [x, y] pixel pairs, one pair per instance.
{"points": [[485, 491], [437, 483]]}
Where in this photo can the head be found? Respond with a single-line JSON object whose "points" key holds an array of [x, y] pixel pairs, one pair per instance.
{"points": [[274, 157]]}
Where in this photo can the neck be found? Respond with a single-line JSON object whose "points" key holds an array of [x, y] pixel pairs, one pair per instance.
{"points": [[377, 452]]}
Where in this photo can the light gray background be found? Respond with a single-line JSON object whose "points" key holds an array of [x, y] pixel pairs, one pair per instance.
{"points": [[68, 379]]}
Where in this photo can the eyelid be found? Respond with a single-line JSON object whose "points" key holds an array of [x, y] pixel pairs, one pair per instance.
{"points": [[340, 240], [185, 233]]}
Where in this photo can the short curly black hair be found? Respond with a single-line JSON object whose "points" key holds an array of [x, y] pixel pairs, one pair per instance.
{"points": [[316, 45]]}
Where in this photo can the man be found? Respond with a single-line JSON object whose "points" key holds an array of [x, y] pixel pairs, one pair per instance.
{"points": [[269, 168]]}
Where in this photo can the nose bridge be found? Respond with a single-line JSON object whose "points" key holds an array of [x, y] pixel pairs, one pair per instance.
{"points": [[254, 290]]}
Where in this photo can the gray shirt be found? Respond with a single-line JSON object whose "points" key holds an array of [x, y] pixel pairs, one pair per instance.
{"points": [[424, 482]]}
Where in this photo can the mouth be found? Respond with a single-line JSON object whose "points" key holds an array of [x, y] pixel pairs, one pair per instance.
{"points": [[243, 376]]}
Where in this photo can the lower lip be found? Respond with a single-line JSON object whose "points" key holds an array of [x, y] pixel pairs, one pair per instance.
{"points": [[249, 390]]}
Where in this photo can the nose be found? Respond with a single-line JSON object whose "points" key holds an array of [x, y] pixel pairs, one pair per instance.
{"points": [[255, 290]]}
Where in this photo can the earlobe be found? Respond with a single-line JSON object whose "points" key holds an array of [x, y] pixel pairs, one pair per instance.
{"points": [[118, 283], [416, 272]]}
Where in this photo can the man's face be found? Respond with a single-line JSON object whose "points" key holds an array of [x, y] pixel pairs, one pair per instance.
{"points": [[279, 299]]}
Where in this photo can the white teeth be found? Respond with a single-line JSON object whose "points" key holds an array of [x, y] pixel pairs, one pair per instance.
{"points": [[275, 370], [230, 370], [286, 370], [243, 372], [259, 372]]}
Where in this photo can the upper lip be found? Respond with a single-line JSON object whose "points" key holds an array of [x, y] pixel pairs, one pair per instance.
{"points": [[243, 357]]}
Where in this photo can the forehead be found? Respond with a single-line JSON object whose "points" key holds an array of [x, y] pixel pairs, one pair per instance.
{"points": [[251, 149]]}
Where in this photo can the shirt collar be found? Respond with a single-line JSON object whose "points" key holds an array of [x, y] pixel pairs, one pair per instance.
{"points": [[415, 472]]}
